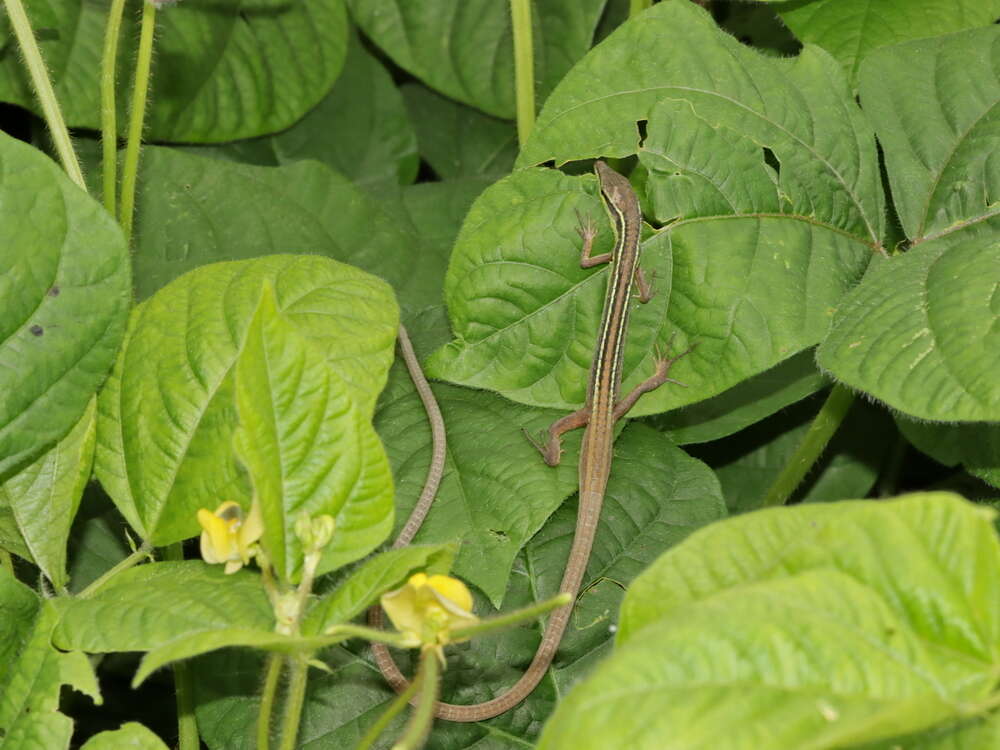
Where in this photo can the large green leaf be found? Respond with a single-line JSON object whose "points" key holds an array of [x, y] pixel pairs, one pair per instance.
{"points": [[933, 103], [167, 414], [308, 448], [234, 209], [463, 48], [850, 29], [44, 496], [975, 446], [32, 672], [360, 129], [457, 140], [129, 736], [920, 334], [221, 72], [64, 297], [793, 628], [153, 604]]}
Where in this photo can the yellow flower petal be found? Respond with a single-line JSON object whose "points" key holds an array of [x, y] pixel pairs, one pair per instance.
{"points": [[427, 608], [228, 537]]}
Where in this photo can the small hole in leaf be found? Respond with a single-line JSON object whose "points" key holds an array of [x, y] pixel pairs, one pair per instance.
{"points": [[771, 160], [54, 291], [499, 534], [36, 330], [642, 127]]}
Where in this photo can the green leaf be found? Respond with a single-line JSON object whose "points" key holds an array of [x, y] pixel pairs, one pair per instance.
{"points": [[363, 586], [29, 672], [309, 449], [148, 606], [933, 103], [317, 210], [746, 403], [96, 542], [482, 503], [975, 446], [360, 129], [850, 29], [220, 73], [673, 67], [966, 735], [457, 140], [44, 496], [129, 736], [463, 48], [919, 333], [167, 414], [64, 297], [798, 612]]}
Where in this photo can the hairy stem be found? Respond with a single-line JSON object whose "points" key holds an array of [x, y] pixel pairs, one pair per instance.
{"points": [[388, 715], [109, 125], [125, 564], [296, 698], [140, 91], [524, 68], [419, 725], [500, 622], [187, 725], [43, 90], [825, 424], [271, 675]]}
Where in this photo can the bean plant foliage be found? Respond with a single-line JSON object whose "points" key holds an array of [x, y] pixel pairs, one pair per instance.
{"points": [[798, 545]]}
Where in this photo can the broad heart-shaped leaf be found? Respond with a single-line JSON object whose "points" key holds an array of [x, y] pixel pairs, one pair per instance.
{"points": [[850, 29], [975, 446], [221, 72], [233, 209], [360, 129], [750, 290], [64, 297], [464, 49], [457, 140], [308, 448], [167, 414], [150, 605], [129, 736], [933, 103], [32, 672], [794, 628], [363, 586], [738, 103], [920, 332], [44, 496]]}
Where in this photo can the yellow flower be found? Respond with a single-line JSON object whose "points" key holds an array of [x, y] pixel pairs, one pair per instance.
{"points": [[228, 536], [428, 607]]}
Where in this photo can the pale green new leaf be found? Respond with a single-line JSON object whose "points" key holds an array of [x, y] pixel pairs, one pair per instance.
{"points": [[850, 29], [364, 585], [221, 72], [793, 627], [44, 496], [308, 447], [464, 48], [934, 105], [30, 672], [129, 736], [920, 332], [64, 297], [153, 604], [167, 415]]}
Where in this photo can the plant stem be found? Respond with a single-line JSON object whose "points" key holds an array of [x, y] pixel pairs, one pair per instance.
{"points": [[524, 68], [419, 724], [299, 670], [638, 6], [140, 90], [6, 561], [274, 663], [500, 622], [388, 715], [109, 125], [125, 564], [43, 90], [187, 724], [348, 630], [825, 424]]}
